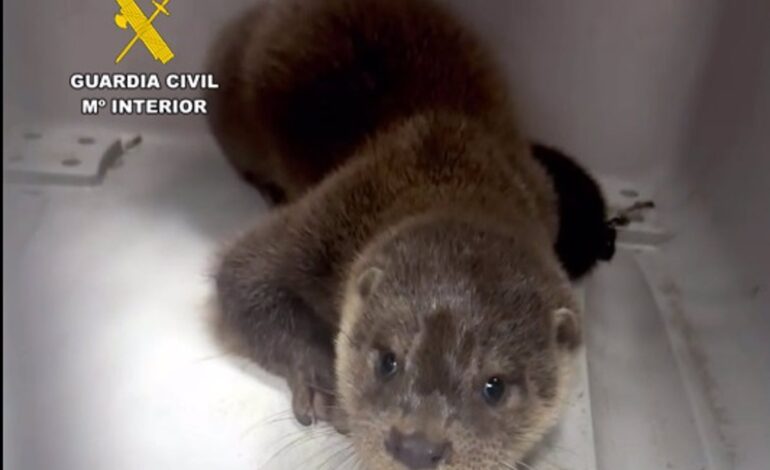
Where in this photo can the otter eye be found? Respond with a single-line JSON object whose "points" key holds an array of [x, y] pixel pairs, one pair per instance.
{"points": [[388, 365], [494, 390]]}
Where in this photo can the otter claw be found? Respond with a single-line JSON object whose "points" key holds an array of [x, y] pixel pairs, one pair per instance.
{"points": [[310, 405], [302, 405]]}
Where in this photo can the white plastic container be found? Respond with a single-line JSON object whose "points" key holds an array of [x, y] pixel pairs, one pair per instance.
{"points": [[108, 362]]}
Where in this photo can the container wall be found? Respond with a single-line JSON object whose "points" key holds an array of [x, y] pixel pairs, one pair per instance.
{"points": [[672, 97], [609, 80]]}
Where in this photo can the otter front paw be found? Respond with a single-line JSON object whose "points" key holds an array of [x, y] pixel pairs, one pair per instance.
{"points": [[310, 405]]}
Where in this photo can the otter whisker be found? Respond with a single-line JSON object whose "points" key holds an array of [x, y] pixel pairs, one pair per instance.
{"points": [[285, 415], [326, 430], [346, 447], [300, 437], [258, 425], [350, 458], [334, 448], [523, 464], [562, 448]]}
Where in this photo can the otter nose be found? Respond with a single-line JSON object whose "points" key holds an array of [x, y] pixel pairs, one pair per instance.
{"points": [[415, 450]]}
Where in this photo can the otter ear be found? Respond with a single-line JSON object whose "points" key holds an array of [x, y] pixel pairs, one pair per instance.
{"points": [[567, 329], [368, 280]]}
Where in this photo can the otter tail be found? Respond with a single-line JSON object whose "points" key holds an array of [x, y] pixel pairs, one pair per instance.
{"points": [[585, 235]]}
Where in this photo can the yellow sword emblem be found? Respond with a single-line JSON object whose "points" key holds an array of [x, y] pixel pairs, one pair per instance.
{"points": [[131, 14]]}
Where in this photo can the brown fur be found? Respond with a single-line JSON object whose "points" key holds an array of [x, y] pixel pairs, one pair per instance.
{"points": [[418, 223], [303, 84]]}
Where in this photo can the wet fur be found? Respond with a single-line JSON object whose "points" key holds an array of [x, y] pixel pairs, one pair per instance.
{"points": [[281, 286], [451, 344], [285, 120], [385, 131], [303, 87]]}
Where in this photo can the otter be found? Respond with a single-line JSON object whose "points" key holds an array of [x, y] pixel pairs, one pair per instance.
{"points": [[408, 284]]}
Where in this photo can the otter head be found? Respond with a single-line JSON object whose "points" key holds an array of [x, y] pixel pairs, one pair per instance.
{"points": [[455, 347]]}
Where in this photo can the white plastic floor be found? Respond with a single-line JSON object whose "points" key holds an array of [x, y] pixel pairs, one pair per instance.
{"points": [[108, 361]]}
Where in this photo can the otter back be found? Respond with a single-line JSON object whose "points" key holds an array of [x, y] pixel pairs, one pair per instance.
{"points": [[299, 95]]}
